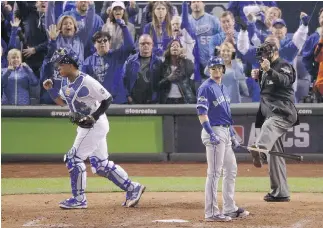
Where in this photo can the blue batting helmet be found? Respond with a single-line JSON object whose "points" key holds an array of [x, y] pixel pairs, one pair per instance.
{"points": [[63, 55], [215, 61]]}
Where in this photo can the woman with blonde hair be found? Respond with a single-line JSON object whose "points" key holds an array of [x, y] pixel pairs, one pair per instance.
{"points": [[17, 80], [234, 78], [160, 29], [67, 34]]}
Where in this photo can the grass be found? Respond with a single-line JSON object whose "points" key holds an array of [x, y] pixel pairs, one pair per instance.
{"points": [[10, 186]]}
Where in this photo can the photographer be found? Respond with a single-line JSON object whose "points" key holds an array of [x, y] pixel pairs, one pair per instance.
{"points": [[276, 114]]}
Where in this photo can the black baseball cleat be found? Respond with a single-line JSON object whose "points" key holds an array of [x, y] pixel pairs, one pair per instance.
{"points": [[270, 198], [257, 161]]}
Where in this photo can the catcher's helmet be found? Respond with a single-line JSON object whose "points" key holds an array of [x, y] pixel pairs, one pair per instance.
{"points": [[266, 50], [63, 55], [215, 61]]}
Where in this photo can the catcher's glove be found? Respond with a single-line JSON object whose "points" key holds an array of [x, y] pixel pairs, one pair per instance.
{"points": [[82, 120]]}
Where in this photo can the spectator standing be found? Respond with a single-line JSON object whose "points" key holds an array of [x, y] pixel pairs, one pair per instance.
{"points": [[17, 80], [35, 45], [141, 72], [4, 62], [70, 36], [147, 14], [204, 26], [309, 47], [234, 78], [160, 28], [318, 86], [132, 10], [238, 7], [106, 65], [80, 13], [175, 86], [117, 12]]}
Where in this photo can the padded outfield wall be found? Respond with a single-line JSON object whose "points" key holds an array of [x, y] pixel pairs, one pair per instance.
{"points": [[143, 133]]}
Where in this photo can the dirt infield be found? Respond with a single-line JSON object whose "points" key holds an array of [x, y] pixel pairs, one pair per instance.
{"points": [[304, 211]]}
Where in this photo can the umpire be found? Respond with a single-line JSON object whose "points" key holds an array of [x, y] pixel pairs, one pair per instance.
{"points": [[276, 114]]}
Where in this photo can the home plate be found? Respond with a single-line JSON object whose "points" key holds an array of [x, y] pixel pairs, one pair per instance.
{"points": [[171, 220]]}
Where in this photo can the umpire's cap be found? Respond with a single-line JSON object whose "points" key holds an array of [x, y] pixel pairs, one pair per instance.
{"points": [[215, 61], [63, 55]]}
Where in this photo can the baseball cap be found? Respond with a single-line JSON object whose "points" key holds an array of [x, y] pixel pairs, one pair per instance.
{"points": [[279, 21], [118, 3]]}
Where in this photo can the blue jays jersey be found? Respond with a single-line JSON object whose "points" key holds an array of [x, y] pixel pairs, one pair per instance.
{"points": [[205, 27], [84, 95], [215, 99]]}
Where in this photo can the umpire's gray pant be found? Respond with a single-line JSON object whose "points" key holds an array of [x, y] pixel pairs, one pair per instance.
{"points": [[271, 138]]}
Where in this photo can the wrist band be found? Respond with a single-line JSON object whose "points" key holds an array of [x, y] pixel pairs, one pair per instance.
{"points": [[53, 93], [206, 125]]}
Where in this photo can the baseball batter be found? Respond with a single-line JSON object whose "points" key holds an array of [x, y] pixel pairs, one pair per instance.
{"points": [[213, 107], [87, 100]]}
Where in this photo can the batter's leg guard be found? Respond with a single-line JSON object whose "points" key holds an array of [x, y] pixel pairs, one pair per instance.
{"points": [[77, 170], [114, 173]]}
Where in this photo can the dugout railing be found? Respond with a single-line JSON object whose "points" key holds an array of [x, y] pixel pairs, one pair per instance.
{"points": [[146, 133]]}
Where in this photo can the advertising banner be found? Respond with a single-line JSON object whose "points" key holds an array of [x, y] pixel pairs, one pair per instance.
{"points": [[304, 138]]}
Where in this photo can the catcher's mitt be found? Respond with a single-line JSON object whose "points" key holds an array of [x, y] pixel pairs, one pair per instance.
{"points": [[82, 120]]}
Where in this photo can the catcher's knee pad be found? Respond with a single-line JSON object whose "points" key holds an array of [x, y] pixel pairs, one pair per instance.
{"points": [[101, 167], [72, 160]]}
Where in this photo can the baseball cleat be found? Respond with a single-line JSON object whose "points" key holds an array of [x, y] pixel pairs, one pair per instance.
{"points": [[128, 197], [240, 213], [257, 162], [73, 203], [270, 198], [218, 218], [136, 194]]}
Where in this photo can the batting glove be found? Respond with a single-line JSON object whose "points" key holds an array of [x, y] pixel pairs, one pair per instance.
{"points": [[305, 20], [235, 142], [214, 139]]}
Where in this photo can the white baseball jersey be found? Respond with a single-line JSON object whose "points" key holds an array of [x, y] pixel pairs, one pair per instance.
{"points": [[84, 95]]}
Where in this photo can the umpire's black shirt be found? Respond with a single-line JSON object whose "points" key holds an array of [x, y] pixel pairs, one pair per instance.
{"points": [[277, 93]]}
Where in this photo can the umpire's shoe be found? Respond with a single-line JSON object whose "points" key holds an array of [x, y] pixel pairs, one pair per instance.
{"points": [[240, 213], [270, 198], [136, 194], [73, 203], [218, 218], [257, 162]]}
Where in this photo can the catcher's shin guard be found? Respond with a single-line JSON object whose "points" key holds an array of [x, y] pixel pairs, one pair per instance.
{"points": [[77, 170], [114, 173]]}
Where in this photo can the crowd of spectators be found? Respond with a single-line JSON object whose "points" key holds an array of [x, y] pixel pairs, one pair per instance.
{"points": [[162, 62]]}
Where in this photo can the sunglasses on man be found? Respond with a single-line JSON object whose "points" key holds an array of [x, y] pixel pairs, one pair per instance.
{"points": [[102, 41]]}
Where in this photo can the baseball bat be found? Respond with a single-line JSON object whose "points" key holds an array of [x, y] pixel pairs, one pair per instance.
{"points": [[275, 153]]}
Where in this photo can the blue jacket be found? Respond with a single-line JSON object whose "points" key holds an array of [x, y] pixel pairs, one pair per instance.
{"points": [[81, 20], [78, 41], [131, 69], [308, 54], [107, 69], [160, 45], [198, 68], [4, 62], [16, 85], [254, 89], [288, 51], [48, 72]]}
